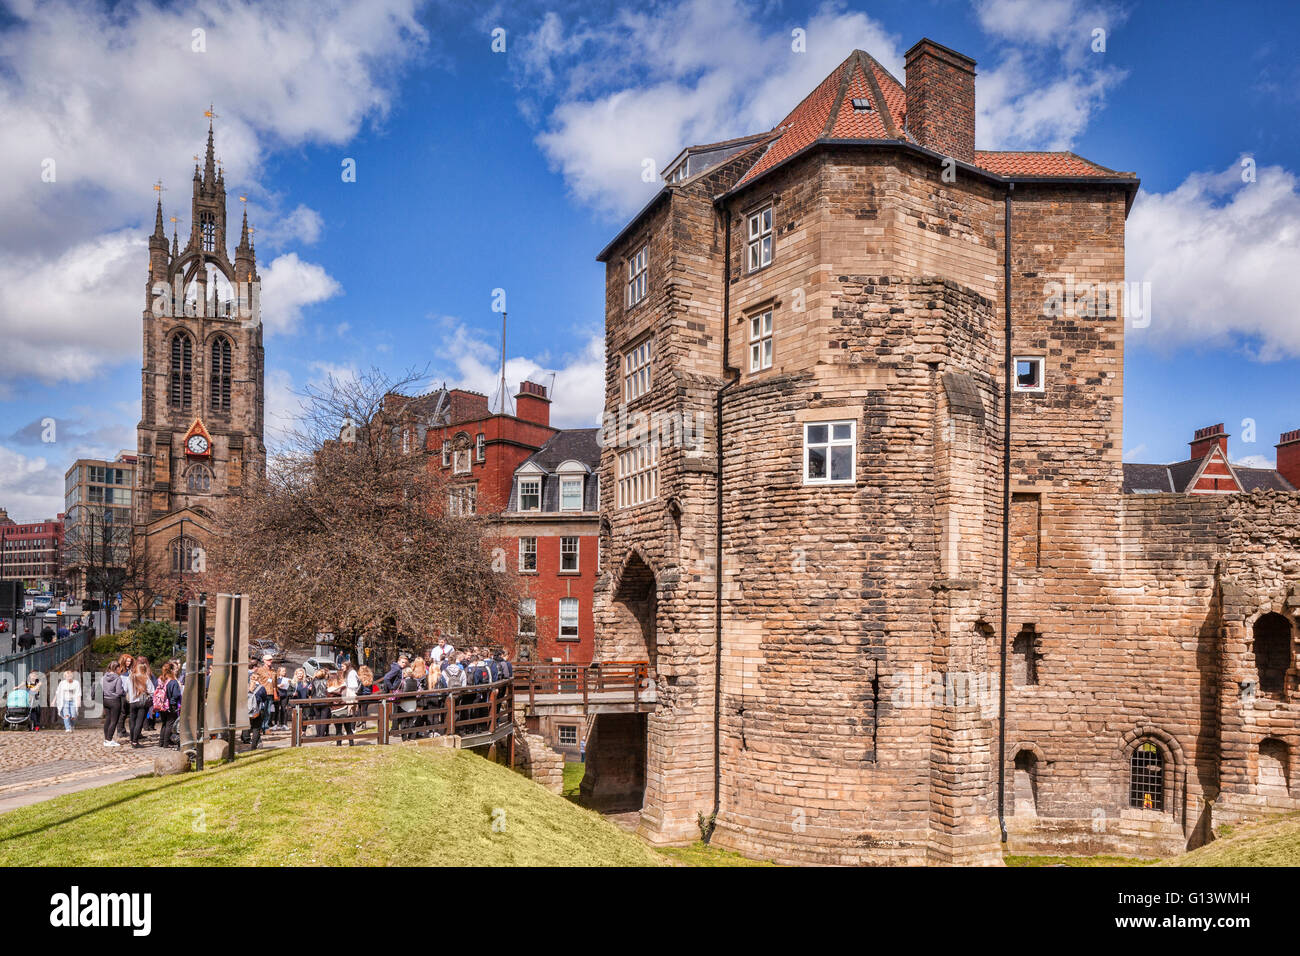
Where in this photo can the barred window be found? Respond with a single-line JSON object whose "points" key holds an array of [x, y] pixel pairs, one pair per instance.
{"points": [[636, 370], [1146, 789], [638, 474]]}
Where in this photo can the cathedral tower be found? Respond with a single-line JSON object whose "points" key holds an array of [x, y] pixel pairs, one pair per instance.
{"points": [[202, 392]]}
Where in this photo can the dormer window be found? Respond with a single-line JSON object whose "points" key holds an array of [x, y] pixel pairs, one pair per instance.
{"points": [[861, 104], [530, 494], [571, 494], [679, 172]]}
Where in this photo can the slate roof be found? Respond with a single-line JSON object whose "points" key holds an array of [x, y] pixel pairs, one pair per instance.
{"points": [[1177, 477], [571, 444]]}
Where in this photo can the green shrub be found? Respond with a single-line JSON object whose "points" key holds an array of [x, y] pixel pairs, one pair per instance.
{"points": [[154, 639], [105, 644]]}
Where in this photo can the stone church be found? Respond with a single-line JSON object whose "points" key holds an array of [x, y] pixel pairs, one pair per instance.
{"points": [[867, 513], [202, 393]]}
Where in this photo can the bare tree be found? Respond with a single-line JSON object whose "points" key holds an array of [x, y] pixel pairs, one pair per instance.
{"points": [[98, 547], [352, 531], [145, 578]]}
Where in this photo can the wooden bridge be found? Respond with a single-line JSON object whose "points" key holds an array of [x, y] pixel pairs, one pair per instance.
{"points": [[480, 714], [605, 687]]}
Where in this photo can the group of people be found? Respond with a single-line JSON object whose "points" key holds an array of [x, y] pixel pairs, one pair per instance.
{"points": [[27, 640], [271, 690], [135, 698]]}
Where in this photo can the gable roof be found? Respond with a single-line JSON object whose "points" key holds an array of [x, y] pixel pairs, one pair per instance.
{"points": [[576, 444], [1181, 476]]}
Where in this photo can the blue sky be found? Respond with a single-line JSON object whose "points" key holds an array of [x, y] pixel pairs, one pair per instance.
{"points": [[479, 170]]}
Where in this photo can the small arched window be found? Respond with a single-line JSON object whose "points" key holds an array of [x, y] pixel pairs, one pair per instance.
{"points": [[180, 385], [198, 480], [1146, 788], [187, 555], [219, 390]]}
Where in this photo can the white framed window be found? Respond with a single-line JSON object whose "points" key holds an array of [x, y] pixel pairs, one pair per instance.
{"points": [[638, 474], [760, 238], [528, 617], [829, 450], [570, 494], [568, 619], [636, 370], [461, 462], [530, 494], [568, 735], [446, 454], [1030, 374], [480, 447], [636, 276], [462, 500], [760, 341], [527, 554], [569, 553]]}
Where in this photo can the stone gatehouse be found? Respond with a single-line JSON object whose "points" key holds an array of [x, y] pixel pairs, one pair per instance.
{"points": [[811, 553]]}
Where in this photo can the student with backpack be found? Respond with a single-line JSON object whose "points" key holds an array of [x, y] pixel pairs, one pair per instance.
{"points": [[320, 687], [167, 704], [113, 692], [139, 697], [256, 709]]}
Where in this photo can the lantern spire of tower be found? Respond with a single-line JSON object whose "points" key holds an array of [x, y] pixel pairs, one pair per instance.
{"points": [[210, 161]]}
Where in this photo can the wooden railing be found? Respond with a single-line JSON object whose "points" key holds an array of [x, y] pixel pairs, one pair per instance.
{"points": [[479, 714], [544, 680]]}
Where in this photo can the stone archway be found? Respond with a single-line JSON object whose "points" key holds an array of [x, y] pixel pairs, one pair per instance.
{"points": [[634, 605]]}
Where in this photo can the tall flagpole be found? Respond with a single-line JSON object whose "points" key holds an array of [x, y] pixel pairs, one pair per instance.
{"points": [[503, 363]]}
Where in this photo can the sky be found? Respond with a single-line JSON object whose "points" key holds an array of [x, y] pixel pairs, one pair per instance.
{"points": [[500, 148]]}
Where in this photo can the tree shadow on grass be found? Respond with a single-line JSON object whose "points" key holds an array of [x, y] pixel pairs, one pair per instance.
{"points": [[184, 779]]}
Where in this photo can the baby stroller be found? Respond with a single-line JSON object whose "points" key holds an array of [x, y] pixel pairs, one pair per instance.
{"points": [[19, 709]]}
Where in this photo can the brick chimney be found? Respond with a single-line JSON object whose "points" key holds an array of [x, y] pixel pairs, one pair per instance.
{"points": [[941, 99], [1288, 457], [532, 405], [1206, 438]]}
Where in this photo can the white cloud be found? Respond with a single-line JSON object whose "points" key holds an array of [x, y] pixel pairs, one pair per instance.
{"points": [[113, 95], [1050, 80], [288, 286], [1223, 260], [622, 103], [29, 486], [1256, 461]]}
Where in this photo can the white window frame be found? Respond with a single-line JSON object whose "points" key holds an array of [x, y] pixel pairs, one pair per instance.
{"points": [[761, 347], [638, 474], [569, 603], [462, 500], [480, 447], [446, 453], [571, 481], [559, 735], [537, 481], [831, 442], [525, 613], [760, 239], [637, 276], [527, 549], [576, 551], [638, 365], [1042, 373]]}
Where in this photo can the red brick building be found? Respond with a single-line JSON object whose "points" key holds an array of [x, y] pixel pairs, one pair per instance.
{"points": [[1209, 472], [30, 553]]}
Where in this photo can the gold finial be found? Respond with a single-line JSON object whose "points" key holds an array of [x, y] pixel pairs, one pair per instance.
{"points": [[210, 113], [173, 220], [159, 188], [243, 199]]}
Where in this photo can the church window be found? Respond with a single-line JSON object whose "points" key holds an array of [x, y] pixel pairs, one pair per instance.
{"points": [[180, 389], [198, 480], [209, 225], [221, 374]]}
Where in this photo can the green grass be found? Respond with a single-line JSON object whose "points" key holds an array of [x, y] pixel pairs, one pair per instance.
{"points": [[321, 806], [1029, 861], [574, 771], [700, 853], [1271, 842]]}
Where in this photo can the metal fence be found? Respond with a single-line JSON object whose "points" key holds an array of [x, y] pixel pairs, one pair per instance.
{"points": [[14, 668]]}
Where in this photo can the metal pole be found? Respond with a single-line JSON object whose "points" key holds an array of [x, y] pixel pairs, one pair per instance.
{"points": [[236, 608]]}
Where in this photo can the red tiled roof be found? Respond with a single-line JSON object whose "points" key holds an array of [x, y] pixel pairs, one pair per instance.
{"points": [[827, 113], [1021, 163]]}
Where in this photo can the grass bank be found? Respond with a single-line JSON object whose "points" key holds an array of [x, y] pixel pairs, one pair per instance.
{"points": [[322, 806]]}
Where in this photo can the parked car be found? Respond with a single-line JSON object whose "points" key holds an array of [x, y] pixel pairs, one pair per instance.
{"points": [[260, 647], [313, 664]]}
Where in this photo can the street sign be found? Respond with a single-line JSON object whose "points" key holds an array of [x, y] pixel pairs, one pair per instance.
{"points": [[29, 606]]}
